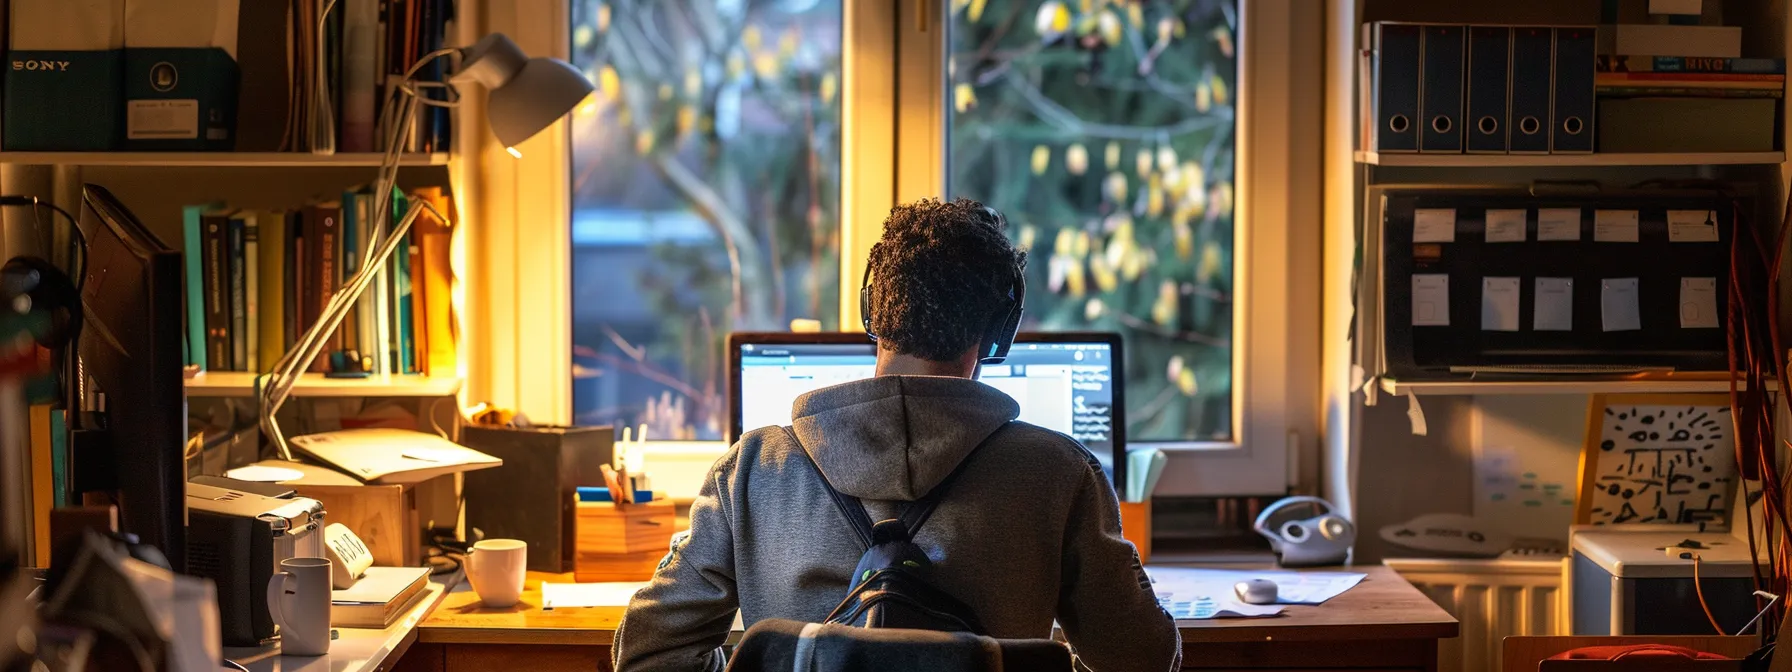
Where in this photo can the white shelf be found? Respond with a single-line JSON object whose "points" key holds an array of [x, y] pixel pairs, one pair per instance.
{"points": [[1597, 159], [217, 159], [241, 384], [1657, 385]]}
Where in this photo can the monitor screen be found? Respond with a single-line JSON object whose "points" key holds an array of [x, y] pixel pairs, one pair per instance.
{"points": [[1065, 382]]}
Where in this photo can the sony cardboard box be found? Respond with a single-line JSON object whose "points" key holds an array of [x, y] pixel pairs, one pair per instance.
{"points": [[180, 74], [64, 70]]}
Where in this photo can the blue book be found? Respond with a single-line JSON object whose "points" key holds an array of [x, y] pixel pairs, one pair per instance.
{"points": [[192, 239], [239, 307]]}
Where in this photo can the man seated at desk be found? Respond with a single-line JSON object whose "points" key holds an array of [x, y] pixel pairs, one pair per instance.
{"points": [[1029, 533]]}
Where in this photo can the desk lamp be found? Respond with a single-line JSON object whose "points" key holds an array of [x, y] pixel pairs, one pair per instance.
{"points": [[526, 96]]}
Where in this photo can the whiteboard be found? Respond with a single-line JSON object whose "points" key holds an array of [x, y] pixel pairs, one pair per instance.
{"points": [[1658, 459]]}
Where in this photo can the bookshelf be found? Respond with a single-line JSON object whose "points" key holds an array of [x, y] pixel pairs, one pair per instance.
{"points": [[1661, 385], [1373, 158], [242, 384], [216, 159]]}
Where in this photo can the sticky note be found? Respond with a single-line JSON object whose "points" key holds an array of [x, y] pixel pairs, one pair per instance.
{"points": [[1558, 224], [1499, 304], [1434, 225], [1698, 303], [1692, 226], [1618, 306], [1430, 300], [1505, 226], [1554, 307], [1614, 226]]}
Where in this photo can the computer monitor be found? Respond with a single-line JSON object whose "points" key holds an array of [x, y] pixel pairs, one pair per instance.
{"points": [[1064, 381], [131, 346]]}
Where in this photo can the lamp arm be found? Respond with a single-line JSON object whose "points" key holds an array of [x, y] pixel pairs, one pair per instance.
{"points": [[280, 384]]}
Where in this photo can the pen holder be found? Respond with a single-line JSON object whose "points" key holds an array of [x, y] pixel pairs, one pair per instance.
{"points": [[1135, 526], [622, 542]]}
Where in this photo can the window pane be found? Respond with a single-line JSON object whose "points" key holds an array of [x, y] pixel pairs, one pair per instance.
{"points": [[706, 194], [1105, 131]]}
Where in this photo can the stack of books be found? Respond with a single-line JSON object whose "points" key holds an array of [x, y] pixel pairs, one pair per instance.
{"points": [[1679, 86], [259, 279]]}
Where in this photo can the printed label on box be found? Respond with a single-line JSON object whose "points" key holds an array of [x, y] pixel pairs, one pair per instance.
{"points": [[162, 120]]}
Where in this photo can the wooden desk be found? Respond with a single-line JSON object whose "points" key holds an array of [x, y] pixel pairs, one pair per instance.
{"points": [[1382, 624]]}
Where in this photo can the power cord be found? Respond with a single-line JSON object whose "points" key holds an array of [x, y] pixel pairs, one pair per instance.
{"points": [[1698, 587]]}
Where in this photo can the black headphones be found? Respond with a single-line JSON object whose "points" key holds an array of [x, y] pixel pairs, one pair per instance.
{"points": [[1004, 324]]}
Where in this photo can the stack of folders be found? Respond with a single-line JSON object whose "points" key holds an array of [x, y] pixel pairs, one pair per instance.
{"points": [[378, 598], [1450, 89], [258, 279], [1678, 84]]}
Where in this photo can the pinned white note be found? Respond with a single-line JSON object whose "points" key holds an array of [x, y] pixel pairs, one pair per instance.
{"points": [[1430, 300], [1698, 303], [1558, 224], [1618, 305], [1434, 225], [1614, 226], [1554, 309], [1692, 226], [1499, 304], [1505, 226]]}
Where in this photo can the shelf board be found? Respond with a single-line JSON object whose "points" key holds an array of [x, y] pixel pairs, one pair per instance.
{"points": [[1681, 384], [218, 159], [1597, 159], [241, 384]]}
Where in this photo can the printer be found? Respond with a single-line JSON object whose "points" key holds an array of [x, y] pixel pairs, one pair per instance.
{"points": [[237, 538]]}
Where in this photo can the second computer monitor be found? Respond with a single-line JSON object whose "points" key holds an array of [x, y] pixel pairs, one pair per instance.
{"points": [[1068, 382]]}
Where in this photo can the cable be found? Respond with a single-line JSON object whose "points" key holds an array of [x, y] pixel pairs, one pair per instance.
{"points": [[235, 665], [1698, 588]]}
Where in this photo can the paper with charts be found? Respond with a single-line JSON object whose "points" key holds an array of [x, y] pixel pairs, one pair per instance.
{"points": [[1198, 594], [1658, 459]]}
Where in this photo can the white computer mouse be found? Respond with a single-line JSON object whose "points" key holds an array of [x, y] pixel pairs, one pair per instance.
{"points": [[1256, 591]]}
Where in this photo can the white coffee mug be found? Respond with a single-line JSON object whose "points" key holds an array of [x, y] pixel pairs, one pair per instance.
{"points": [[496, 568], [299, 600]]}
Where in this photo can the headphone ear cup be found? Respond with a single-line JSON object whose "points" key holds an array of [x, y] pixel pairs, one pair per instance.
{"points": [[865, 310]]}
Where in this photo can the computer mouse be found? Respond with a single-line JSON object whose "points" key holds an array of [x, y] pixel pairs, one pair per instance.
{"points": [[1256, 591]]}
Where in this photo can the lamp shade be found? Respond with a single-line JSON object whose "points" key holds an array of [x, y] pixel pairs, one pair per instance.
{"points": [[527, 94]]}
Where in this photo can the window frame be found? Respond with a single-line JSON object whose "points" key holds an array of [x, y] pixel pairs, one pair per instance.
{"points": [[1275, 356]]}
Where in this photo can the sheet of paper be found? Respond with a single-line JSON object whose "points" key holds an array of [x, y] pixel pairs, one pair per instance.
{"points": [[1499, 304], [1618, 306], [1692, 226], [608, 594], [1505, 226], [1553, 309], [1430, 300], [1189, 593], [1558, 224], [1614, 226], [1434, 225], [1698, 303]]}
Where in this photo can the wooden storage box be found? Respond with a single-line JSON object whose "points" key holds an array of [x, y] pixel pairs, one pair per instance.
{"points": [[622, 543], [383, 516]]}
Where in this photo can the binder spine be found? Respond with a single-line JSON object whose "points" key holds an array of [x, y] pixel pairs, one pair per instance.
{"points": [[1489, 89], [1573, 85], [1533, 67], [1440, 90], [1396, 55]]}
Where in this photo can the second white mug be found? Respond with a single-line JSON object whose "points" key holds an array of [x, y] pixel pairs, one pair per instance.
{"points": [[299, 601], [496, 568]]}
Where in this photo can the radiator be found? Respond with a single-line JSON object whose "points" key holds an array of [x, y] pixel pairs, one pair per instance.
{"points": [[1493, 600]]}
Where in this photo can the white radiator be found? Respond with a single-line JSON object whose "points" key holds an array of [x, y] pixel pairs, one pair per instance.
{"points": [[1493, 600]]}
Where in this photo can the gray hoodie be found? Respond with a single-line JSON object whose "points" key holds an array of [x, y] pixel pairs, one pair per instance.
{"points": [[1029, 533]]}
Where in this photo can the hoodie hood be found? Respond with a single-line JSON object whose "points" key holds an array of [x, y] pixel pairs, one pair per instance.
{"points": [[896, 437]]}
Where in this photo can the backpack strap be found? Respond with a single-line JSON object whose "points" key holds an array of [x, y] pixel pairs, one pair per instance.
{"points": [[913, 515]]}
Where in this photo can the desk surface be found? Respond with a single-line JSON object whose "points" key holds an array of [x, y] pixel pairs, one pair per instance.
{"points": [[354, 649], [1383, 606]]}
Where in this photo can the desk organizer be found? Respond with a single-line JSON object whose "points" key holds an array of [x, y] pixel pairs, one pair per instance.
{"points": [[622, 542]]}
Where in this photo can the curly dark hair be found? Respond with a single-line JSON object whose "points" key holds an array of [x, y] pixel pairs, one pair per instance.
{"points": [[938, 275]]}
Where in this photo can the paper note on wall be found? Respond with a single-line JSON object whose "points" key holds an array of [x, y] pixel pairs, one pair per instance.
{"points": [[1434, 225], [1499, 304], [1615, 226], [1558, 224], [1619, 309], [1698, 303], [1553, 309], [1692, 226], [1430, 300], [1505, 226]]}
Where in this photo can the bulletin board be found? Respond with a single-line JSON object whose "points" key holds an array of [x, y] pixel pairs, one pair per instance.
{"points": [[1657, 458], [1482, 281]]}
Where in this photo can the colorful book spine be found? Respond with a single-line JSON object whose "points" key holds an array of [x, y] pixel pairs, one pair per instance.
{"points": [[435, 241], [327, 232], [239, 309], [352, 240], [1766, 66], [1687, 92], [193, 239], [273, 285], [216, 259], [252, 292]]}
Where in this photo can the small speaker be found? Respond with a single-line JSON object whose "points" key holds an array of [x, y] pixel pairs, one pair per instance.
{"points": [[533, 496]]}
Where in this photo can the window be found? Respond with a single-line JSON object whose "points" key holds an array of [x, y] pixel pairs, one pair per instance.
{"points": [[705, 197], [1106, 133]]}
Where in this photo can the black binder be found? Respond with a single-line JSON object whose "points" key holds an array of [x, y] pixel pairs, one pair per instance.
{"points": [[1440, 91], [1575, 53], [1533, 68], [1489, 88], [1396, 65]]}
